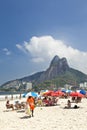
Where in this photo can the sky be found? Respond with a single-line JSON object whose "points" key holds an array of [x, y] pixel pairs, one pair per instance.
{"points": [[32, 32]]}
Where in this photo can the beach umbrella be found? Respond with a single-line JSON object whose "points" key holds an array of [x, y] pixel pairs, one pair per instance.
{"points": [[43, 92], [24, 95], [54, 94], [68, 91], [78, 91], [83, 92], [48, 93], [76, 94], [33, 94], [60, 93], [64, 91]]}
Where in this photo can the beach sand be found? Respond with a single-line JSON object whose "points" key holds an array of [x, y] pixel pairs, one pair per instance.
{"points": [[45, 118]]}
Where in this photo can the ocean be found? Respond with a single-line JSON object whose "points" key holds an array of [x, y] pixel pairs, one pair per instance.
{"points": [[9, 93]]}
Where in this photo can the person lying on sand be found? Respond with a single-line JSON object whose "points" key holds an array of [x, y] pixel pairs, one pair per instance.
{"points": [[69, 105]]}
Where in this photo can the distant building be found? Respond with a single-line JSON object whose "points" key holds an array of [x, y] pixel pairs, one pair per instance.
{"points": [[67, 86], [28, 86], [83, 85]]}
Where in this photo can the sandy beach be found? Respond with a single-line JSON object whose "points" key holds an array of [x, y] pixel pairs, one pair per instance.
{"points": [[45, 118]]}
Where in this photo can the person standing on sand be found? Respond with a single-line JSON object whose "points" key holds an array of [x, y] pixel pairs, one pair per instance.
{"points": [[31, 102]]}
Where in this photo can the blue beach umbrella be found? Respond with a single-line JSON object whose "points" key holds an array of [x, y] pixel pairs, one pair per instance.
{"points": [[68, 91], [83, 92], [64, 90], [24, 95], [33, 94]]}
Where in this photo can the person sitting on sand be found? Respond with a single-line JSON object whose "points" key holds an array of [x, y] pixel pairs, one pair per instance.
{"points": [[8, 105], [78, 99], [50, 102], [73, 99], [55, 100], [17, 105], [45, 101], [68, 104]]}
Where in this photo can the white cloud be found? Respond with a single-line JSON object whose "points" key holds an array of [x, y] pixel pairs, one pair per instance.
{"points": [[21, 48], [7, 52], [43, 49]]}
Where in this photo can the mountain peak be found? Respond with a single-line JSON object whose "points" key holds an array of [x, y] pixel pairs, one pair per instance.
{"points": [[57, 67], [60, 62], [55, 60]]}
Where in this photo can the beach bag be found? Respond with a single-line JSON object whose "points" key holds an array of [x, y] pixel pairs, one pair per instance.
{"points": [[27, 110]]}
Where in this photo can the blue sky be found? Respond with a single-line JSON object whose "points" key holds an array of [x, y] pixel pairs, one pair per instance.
{"points": [[32, 32]]}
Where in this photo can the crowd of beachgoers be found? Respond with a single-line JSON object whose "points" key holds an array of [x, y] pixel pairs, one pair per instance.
{"points": [[44, 111]]}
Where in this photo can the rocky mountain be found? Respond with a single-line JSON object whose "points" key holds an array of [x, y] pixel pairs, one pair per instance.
{"points": [[58, 66], [58, 72]]}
